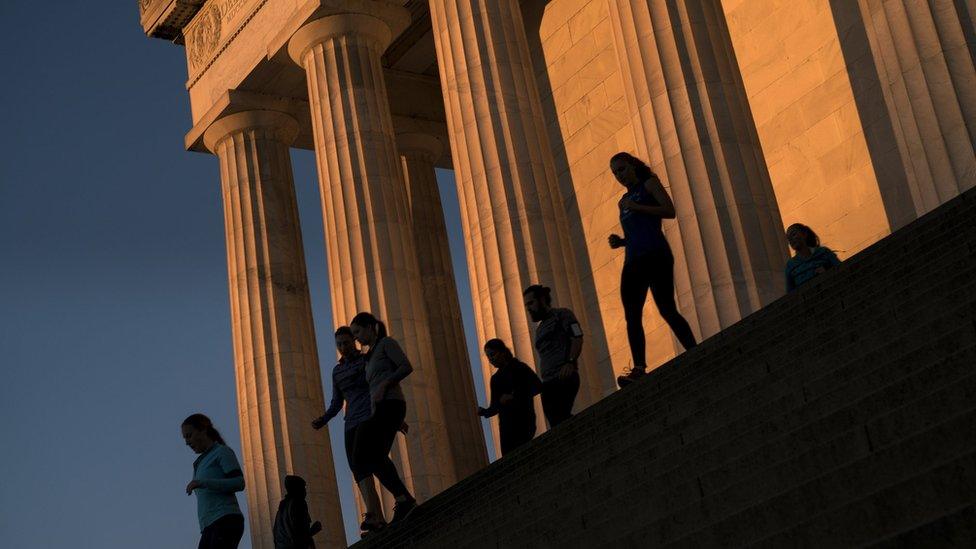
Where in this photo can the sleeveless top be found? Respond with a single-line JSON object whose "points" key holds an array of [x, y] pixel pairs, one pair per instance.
{"points": [[642, 232]]}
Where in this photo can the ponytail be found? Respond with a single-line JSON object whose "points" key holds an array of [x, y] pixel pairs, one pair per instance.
{"points": [[201, 422], [641, 169], [367, 320]]}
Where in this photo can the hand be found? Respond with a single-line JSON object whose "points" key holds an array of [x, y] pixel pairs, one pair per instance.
{"points": [[316, 528], [318, 423], [567, 370], [505, 399], [404, 428], [194, 484], [615, 241], [626, 204]]}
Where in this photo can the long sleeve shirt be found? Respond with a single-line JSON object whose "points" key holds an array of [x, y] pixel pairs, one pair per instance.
{"points": [[518, 380], [219, 473], [349, 386], [387, 362]]}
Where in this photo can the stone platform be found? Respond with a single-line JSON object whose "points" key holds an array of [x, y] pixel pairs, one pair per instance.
{"points": [[842, 414]]}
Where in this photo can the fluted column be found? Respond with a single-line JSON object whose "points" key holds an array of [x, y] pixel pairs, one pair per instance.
{"points": [[369, 240], [513, 215], [275, 357], [929, 82], [693, 123], [417, 155]]}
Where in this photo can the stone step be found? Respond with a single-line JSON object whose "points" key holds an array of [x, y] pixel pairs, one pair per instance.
{"points": [[956, 529], [928, 496], [943, 444], [802, 453]]}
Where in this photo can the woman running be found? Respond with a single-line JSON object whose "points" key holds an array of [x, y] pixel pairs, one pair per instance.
{"points": [[648, 262], [217, 476], [387, 365], [349, 386]]}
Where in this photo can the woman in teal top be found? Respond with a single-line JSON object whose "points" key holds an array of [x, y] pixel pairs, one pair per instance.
{"points": [[810, 260], [216, 477]]}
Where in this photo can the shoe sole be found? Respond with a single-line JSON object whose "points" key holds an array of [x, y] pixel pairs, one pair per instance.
{"points": [[404, 517]]}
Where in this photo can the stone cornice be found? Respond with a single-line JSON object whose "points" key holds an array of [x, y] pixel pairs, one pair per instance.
{"points": [[166, 19]]}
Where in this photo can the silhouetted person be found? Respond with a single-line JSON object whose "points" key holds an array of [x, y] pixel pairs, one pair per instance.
{"points": [[387, 365], [559, 341], [293, 527], [349, 385], [513, 388], [810, 259], [648, 261], [216, 477]]}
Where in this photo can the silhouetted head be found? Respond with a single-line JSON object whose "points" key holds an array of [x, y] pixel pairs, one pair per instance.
{"points": [[538, 301], [199, 433], [800, 236], [295, 486], [499, 355], [367, 329], [630, 170], [345, 342]]}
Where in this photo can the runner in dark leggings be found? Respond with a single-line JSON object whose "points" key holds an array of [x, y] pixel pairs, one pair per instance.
{"points": [[648, 262], [387, 365], [349, 385]]}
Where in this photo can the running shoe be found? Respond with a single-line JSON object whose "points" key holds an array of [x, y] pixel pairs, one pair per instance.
{"points": [[371, 523], [630, 376], [402, 509]]}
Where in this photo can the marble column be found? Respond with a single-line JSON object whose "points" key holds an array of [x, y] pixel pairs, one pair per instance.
{"points": [[369, 239], [928, 78], [417, 155], [279, 388], [694, 127], [512, 211]]}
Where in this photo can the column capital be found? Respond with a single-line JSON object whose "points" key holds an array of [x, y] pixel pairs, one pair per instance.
{"points": [[381, 22], [284, 126], [423, 144]]}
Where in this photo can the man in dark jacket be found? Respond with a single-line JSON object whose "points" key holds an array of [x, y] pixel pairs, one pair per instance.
{"points": [[293, 528]]}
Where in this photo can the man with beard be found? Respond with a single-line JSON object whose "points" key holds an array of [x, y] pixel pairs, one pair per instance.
{"points": [[559, 341]]}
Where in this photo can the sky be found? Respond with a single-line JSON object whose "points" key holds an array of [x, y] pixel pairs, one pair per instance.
{"points": [[114, 313]]}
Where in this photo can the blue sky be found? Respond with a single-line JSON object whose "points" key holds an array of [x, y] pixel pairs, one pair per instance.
{"points": [[114, 318]]}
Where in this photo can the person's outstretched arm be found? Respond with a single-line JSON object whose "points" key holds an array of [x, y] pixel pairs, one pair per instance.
{"points": [[494, 406], [335, 406], [233, 480]]}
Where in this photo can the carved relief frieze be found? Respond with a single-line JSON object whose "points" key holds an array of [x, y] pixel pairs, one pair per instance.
{"points": [[215, 25], [203, 34]]}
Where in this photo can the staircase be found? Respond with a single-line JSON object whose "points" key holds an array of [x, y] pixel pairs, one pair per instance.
{"points": [[843, 414]]}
